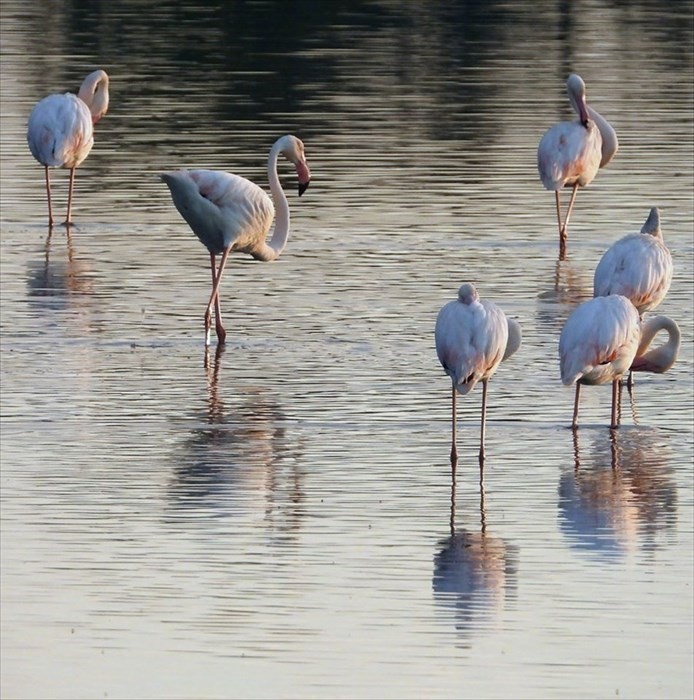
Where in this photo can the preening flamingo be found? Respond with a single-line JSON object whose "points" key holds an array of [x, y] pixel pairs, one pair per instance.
{"points": [[571, 153], [473, 336], [598, 344], [660, 359], [60, 130], [229, 213], [638, 266]]}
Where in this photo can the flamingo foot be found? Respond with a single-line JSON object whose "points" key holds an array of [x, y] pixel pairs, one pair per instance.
{"points": [[221, 334]]}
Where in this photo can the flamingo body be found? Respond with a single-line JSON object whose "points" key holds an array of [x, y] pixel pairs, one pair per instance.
{"points": [[60, 129], [598, 344], [638, 266], [571, 153], [472, 337], [222, 209], [229, 213]]}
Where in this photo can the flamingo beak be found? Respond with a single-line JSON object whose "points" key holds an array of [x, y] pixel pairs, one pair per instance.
{"points": [[304, 174]]}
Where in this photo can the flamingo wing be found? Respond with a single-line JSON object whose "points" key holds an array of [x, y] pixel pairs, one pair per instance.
{"points": [[599, 340], [639, 267], [222, 209], [60, 132], [569, 152], [470, 341]]}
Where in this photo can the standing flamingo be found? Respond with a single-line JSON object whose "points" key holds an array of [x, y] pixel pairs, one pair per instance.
{"points": [[638, 266], [472, 337], [60, 130], [598, 344], [229, 213], [571, 153]]}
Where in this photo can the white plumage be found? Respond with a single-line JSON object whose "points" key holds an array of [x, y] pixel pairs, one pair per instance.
{"points": [[472, 337], [638, 266], [571, 153], [60, 130], [598, 344], [229, 213]]}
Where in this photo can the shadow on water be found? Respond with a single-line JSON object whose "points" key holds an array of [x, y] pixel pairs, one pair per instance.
{"points": [[240, 457], [474, 572], [621, 496], [570, 288]]}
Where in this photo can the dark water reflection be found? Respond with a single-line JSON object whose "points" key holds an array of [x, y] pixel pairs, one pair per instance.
{"points": [[264, 526]]}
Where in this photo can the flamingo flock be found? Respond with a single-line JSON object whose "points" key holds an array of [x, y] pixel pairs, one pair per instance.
{"points": [[602, 340]]}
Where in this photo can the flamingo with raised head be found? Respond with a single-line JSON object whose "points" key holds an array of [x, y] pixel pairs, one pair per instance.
{"points": [[571, 153], [230, 213], [597, 345], [60, 131], [473, 336]]}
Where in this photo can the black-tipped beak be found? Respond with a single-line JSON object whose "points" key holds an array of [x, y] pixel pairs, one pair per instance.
{"points": [[303, 186]]}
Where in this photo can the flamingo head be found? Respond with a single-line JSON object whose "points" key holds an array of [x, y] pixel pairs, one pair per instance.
{"points": [[577, 95], [292, 149]]}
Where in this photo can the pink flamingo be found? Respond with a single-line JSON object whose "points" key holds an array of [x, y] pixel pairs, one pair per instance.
{"points": [[60, 130], [571, 153], [598, 344], [229, 213], [473, 337]]}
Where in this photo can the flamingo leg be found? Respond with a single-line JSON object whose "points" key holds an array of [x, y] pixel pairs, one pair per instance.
{"points": [[615, 402], [484, 418], [48, 196], [574, 192], [574, 422], [221, 333], [217, 306], [454, 449], [68, 218]]}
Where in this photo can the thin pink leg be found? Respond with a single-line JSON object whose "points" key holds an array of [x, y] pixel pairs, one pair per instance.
{"points": [[565, 227], [454, 449], [615, 401], [221, 334], [48, 196], [217, 306], [574, 422], [484, 418], [68, 218]]}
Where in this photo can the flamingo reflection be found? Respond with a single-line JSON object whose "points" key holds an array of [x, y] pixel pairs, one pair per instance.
{"points": [[474, 572], [59, 279], [621, 497], [240, 458]]}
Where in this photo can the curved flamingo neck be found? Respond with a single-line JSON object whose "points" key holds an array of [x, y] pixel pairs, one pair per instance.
{"points": [[610, 143], [280, 234], [94, 93], [659, 359]]}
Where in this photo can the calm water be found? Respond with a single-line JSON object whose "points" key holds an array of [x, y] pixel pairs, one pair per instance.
{"points": [[281, 523]]}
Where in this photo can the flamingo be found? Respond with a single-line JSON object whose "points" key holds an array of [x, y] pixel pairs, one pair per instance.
{"points": [[60, 131], [229, 213], [473, 337], [598, 343], [638, 266], [660, 359], [571, 153]]}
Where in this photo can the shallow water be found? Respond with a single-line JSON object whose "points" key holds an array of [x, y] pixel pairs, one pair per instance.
{"points": [[278, 520]]}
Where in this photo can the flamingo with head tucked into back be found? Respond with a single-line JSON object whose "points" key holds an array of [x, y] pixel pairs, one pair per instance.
{"points": [[637, 266], [473, 336], [571, 153], [230, 213], [60, 130]]}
